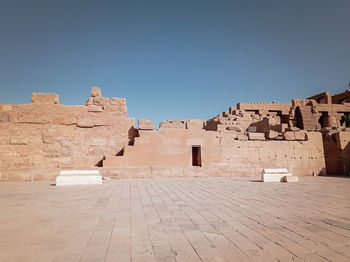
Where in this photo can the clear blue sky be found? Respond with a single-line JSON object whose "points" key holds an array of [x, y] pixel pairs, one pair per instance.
{"points": [[174, 59]]}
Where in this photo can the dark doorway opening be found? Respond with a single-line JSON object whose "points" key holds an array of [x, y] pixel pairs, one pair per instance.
{"points": [[196, 156]]}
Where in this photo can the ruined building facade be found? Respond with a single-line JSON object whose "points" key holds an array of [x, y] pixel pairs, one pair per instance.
{"points": [[308, 136]]}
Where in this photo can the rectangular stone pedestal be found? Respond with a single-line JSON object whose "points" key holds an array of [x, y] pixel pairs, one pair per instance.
{"points": [[274, 175], [78, 177]]}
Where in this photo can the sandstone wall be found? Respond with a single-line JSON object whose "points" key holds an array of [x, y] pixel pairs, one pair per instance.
{"points": [[38, 139], [168, 152], [337, 152]]}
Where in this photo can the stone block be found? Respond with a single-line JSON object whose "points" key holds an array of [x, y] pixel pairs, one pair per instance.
{"points": [[293, 128], [271, 134], [85, 123], [194, 124], [71, 180], [95, 92], [47, 139], [256, 136], [300, 135], [45, 98], [290, 179], [101, 101], [116, 101], [289, 135], [4, 117], [35, 118], [90, 101], [242, 137], [178, 124], [274, 174], [144, 124], [93, 108], [234, 128], [18, 140], [251, 129]]}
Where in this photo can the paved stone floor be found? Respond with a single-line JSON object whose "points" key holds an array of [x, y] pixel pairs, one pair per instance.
{"points": [[203, 219]]}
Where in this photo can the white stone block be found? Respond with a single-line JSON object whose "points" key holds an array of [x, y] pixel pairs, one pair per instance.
{"points": [[274, 174], [275, 170], [78, 180], [79, 172]]}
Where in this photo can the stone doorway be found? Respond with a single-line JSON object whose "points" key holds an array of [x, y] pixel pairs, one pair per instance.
{"points": [[196, 156]]}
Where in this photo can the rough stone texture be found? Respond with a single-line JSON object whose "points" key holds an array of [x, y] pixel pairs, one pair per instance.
{"points": [[93, 108], [256, 136], [48, 136], [85, 123], [289, 135], [40, 138], [18, 140], [144, 124], [300, 135], [4, 117], [95, 92], [45, 98], [271, 134], [176, 124], [242, 137]]}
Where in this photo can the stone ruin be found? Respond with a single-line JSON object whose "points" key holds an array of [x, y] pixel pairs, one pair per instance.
{"points": [[307, 136]]}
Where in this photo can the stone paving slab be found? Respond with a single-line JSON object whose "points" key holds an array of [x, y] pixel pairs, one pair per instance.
{"points": [[185, 219]]}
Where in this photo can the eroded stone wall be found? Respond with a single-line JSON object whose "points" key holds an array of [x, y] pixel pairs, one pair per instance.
{"points": [[38, 139]]}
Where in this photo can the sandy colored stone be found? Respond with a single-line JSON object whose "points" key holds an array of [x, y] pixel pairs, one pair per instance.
{"points": [[85, 123], [4, 117], [300, 135], [289, 135], [45, 98], [256, 136], [18, 140], [144, 124], [93, 108], [272, 134], [95, 92]]}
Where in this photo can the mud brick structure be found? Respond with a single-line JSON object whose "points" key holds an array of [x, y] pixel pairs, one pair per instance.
{"points": [[306, 136]]}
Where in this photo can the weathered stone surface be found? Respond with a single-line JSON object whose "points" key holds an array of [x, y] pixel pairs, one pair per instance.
{"points": [[234, 128], [117, 101], [45, 98], [48, 139], [85, 123], [256, 136], [289, 135], [251, 129], [272, 134], [18, 140], [300, 135], [96, 141], [95, 92], [292, 128], [35, 119], [144, 124], [194, 124], [242, 137], [176, 124], [93, 108], [101, 101], [4, 117], [90, 101]]}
